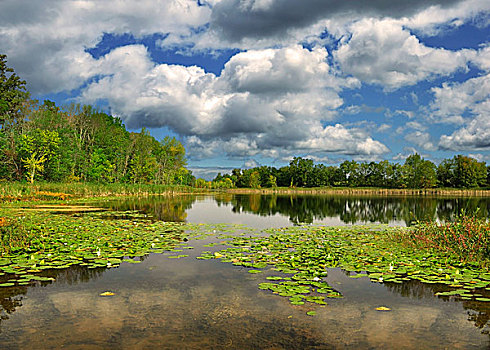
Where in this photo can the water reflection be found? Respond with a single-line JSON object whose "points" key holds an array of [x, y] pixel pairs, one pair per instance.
{"points": [[351, 210], [195, 304], [165, 208], [11, 298], [192, 304], [306, 209]]}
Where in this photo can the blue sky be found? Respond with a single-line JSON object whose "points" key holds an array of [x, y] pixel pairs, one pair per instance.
{"points": [[257, 82]]}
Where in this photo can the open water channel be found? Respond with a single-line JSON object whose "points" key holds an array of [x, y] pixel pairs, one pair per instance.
{"points": [[187, 303]]}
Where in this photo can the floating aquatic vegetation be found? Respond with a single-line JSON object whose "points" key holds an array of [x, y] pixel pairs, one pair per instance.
{"points": [[290, 262], [60, 241], [303, 256]]}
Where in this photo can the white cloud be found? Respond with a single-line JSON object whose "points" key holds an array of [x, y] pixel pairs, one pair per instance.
{"points": [[469, 101], [384, 127], [339, 139], [421, 139], [45, 41], [383, 52], [265, 101], [474, 136], [251, 163], [452, 101], [434, 19]]}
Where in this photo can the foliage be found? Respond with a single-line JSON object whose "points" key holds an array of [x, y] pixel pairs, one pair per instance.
{"points": [[12, 94], [462, 171], [468, 237], [416, 172], [48, 143], [300, 257]]}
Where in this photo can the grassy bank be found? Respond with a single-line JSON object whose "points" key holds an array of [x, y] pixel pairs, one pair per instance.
{"points": [[368, 191], [14, 191]]}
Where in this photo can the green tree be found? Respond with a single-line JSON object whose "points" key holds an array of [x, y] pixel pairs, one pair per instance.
{"points": [[300, 170], [12, 94], [170, 156], [254, 179], [143, 164], [350, 173], [101, 169], [468, 172], [37, 148], [418, 173]]}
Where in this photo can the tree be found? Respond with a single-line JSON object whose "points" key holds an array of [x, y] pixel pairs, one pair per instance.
{"points": [[38, 148], [170, 156], [101, 169], [300, 170], [33, 164], [418, 172], [12, 94], [254, 179], [143, 164], [350, 173]]}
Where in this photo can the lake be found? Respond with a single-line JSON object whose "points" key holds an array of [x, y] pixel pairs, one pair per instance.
{"points": [[186, 303]]}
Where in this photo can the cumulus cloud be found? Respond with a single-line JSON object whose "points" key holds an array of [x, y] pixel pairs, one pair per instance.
{"points": [[383, 52], [235, 20], [470, 102], [263, 101], [452, 101], [474, 136], [46, 41], [337, 138], [421, 139], [275, 98], [434, 19]]}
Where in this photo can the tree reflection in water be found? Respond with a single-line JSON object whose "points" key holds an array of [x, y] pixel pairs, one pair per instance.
{"points": [[304, 209], [11, 297], [478, 312]]}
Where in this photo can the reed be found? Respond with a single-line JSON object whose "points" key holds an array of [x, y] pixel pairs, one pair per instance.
{"points": [[15, 235], [468, 237], [13, 191]]}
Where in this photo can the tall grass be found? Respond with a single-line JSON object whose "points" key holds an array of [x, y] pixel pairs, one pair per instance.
{"points": [[14, 235], [23, 191], [468, 237]]}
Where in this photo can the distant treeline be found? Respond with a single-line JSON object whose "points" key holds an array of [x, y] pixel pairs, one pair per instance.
{"points": [[78, 143], [458, 172]]}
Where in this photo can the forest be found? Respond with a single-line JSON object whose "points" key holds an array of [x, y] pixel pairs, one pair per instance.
{"points": [[78, 143], [459, 172]]}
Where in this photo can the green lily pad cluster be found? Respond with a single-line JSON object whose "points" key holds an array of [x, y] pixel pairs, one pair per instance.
{"points": [[60, 241], [304, 254]]}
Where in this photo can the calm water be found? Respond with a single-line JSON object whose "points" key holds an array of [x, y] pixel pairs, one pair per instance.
{"points": [[204, 304]]}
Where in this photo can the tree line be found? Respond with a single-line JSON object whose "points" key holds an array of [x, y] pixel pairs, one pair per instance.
{"points": [[459, 172], [78, 143], [81, 143]]}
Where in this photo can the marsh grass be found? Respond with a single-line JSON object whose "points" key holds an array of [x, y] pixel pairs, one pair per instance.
{"points": [[468, 237], [15, 235], [13, 191]]}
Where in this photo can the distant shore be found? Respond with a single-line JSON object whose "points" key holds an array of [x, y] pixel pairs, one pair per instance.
{"points": [[367, 191], [14, 191]]}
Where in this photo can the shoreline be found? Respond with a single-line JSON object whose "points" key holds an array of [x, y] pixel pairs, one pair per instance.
{"points": [[440, 192]]}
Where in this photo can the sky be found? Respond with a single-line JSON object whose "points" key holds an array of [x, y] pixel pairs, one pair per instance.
{"points": [[244, 83]]}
